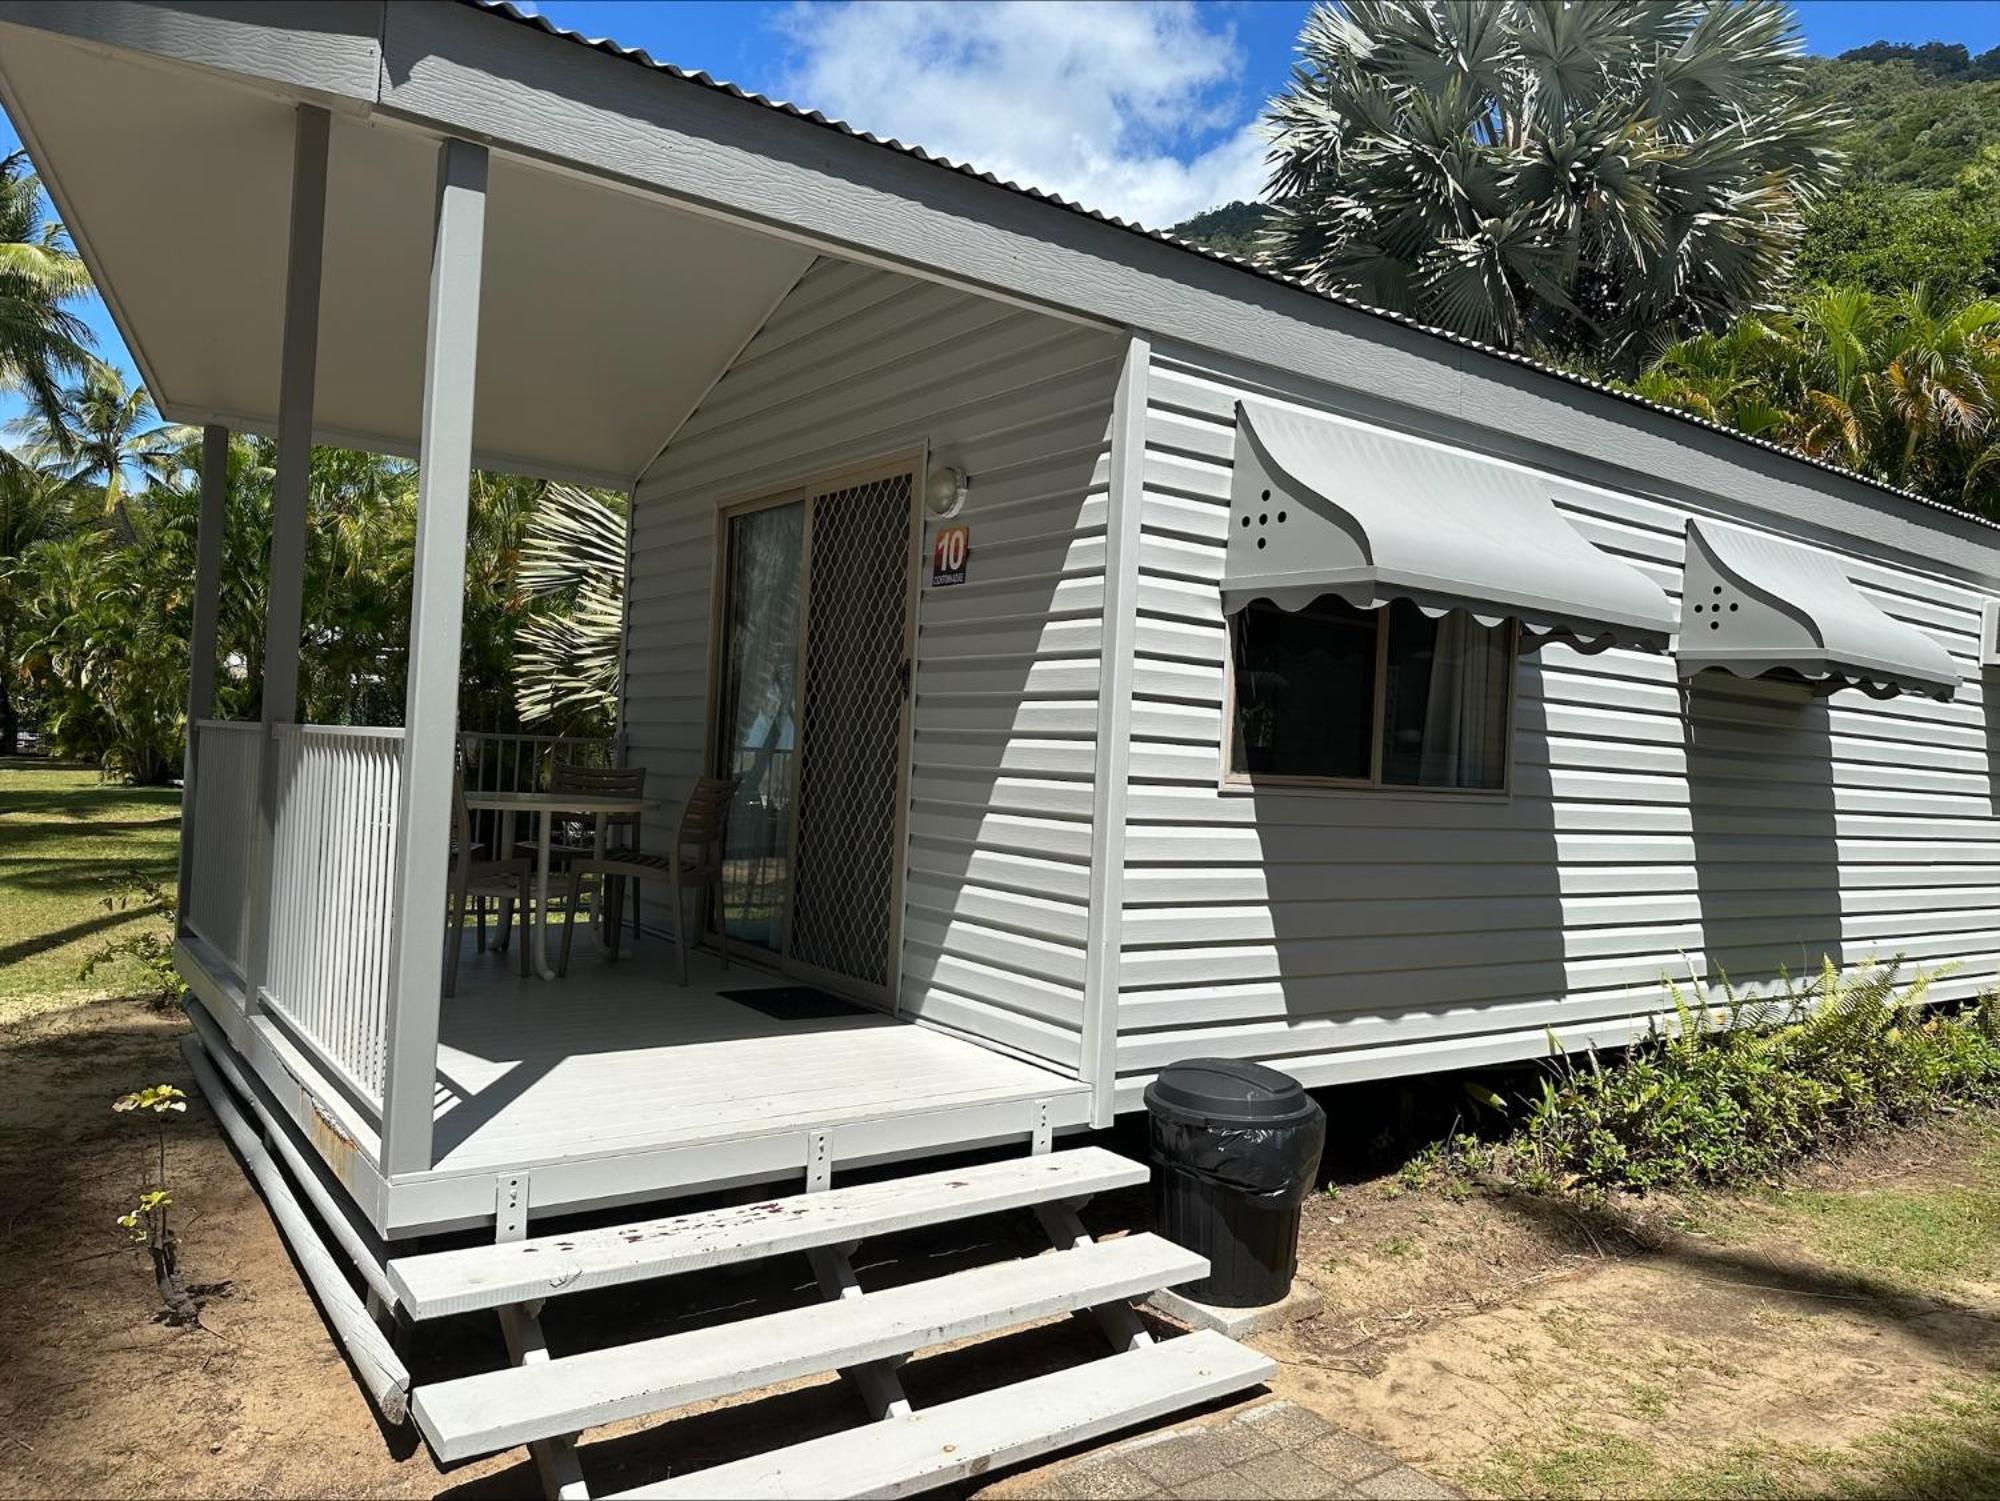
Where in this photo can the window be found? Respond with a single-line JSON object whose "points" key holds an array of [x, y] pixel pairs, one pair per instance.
{"points": [[1386, 697]]}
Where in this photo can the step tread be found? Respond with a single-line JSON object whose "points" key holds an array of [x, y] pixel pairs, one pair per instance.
{"points": [[445, 1282], [973, 1435], [498, 1409]]}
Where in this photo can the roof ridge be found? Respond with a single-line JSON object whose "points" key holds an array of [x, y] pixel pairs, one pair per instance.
{"points": [[513, 12]]}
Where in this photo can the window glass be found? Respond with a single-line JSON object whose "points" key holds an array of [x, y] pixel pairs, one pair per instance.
{"points": [[766, 558], [1444, 711], [1305, 701], [1304, 690]]}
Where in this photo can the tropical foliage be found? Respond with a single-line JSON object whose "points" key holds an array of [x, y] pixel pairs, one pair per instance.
{"points": [[101, 431], [1902, 387], [99, 513], [1585, 181], [567, 657], [1730, 1086], [42, 341], [95, 611]]}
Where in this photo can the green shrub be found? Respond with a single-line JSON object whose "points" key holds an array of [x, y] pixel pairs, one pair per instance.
{"points": [[1733, 1088]]}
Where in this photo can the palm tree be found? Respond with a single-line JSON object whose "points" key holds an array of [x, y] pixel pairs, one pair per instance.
{"points": [[1566, 178], [1898, 387], [41, 340], [102, 432], [34, 507], [567, 655]]}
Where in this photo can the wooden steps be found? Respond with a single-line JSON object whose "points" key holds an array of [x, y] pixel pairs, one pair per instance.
{"points": [[493, 1276], [865, 1335], [933, 1447], [498, 1409]]}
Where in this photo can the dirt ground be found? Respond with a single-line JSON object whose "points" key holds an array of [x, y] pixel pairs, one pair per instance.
{"points": [[1794, 1339], [1838, 1336]]}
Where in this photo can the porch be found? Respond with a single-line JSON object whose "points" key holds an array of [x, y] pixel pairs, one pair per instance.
{"points": [[612, 1085]]}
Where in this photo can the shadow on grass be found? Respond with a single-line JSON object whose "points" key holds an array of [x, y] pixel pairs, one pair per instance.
{"points": [[41, 943], [1967, 1333], [81, 802], [85, 883]]}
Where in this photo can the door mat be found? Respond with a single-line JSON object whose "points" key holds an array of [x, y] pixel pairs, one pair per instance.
{"points": [[795, 1003]]}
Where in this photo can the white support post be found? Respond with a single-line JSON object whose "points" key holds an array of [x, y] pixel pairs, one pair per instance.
{"points": [[1104, 927], [437, 608], [201, 637], [285, 596]]}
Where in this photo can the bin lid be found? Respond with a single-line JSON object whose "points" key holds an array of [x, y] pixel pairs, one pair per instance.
{"points": [[1229, 1089]]}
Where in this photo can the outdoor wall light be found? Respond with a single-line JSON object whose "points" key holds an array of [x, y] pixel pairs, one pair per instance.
{"points": [[944, 492]]}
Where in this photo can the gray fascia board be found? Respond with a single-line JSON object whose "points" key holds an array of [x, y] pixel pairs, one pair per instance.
{"points": [[328, 50]]}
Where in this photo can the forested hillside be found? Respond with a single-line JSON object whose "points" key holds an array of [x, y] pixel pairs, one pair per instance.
{"points": [[1881, 350], [1921, 194]]}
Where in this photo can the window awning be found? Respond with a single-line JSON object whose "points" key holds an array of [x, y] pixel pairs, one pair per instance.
{"points": [[1322, 506], [1757, 605]]}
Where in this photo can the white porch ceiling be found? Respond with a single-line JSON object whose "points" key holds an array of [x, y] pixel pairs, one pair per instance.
{"points": [[605, 315]]}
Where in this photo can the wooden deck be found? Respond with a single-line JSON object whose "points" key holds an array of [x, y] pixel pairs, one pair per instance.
{"points": [[618, 1057], [617, 1086]]}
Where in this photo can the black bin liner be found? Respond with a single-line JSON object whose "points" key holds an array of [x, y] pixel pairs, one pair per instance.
{"points": [[1236, 1148]]}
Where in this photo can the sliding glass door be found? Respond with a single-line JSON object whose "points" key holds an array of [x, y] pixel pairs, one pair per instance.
{"points": [[810, 719], [757, 727]]}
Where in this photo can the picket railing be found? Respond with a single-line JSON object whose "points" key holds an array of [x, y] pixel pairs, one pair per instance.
{"points": [[519, 763], [333, 858], [513, 763], [222, 786], [332, 880]]}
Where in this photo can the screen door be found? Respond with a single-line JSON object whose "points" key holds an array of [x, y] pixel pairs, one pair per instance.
{"points": [[811, 718]]}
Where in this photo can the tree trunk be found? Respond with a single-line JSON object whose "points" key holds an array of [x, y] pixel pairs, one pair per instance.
{"points": [[10, 724], [182, 1309]]}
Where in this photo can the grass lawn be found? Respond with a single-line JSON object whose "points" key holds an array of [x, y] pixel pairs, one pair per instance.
{"points": [[67, 841]]}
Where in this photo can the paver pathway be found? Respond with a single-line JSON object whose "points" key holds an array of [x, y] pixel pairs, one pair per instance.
{"points": [[1272, 1451]]}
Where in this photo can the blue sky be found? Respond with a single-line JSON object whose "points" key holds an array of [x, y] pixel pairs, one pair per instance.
{"points": [[1140, 110]]}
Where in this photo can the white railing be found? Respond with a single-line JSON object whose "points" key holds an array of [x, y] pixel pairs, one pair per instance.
{"points": [[332, 881], [511, 763], [227, 759], [519, 763]]}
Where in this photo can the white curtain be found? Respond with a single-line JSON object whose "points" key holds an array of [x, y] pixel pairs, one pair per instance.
{"points": [[1465, 720]]}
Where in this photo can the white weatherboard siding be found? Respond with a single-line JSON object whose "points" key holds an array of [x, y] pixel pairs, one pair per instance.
{"points": [[857, 363], [1348, 934]]}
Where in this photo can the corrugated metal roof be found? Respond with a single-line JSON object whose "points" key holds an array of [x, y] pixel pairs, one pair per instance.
{"points": [[639, 55]]}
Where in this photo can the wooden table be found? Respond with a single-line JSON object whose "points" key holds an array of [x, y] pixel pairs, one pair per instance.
{"points": [[545, 806]]}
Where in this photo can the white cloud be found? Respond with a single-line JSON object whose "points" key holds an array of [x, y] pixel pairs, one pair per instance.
{"points": [[1134, 109]]}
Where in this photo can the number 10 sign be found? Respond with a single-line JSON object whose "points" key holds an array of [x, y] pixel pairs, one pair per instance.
{"points": [[949, 554]]}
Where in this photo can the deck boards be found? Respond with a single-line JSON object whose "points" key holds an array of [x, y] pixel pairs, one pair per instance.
{"points": [[620, 1057], [437, 1283], [494, 1410], [978, 1434]]}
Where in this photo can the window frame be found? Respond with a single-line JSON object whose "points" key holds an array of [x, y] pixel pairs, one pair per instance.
{"points": [[1234, 781]]}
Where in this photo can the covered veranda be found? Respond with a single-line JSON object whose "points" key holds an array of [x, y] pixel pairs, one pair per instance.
{"points": [[336, 274]]}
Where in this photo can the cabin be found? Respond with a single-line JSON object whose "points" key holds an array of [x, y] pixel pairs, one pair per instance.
{"points": [[1116, 653]]}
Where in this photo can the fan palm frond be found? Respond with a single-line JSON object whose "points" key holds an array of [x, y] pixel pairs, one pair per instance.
{"points": [[1657, 151]]}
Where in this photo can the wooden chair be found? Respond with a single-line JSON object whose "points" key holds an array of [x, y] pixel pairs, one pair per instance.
{"points": [[573, 837], [474, 879], [694, 859]]}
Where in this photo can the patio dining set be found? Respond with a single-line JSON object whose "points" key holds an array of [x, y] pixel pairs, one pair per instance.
{"points": [[587, 830]]}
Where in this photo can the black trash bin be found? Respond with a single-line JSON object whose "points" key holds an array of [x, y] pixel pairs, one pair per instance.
{"points": [[1235, 1150]]}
